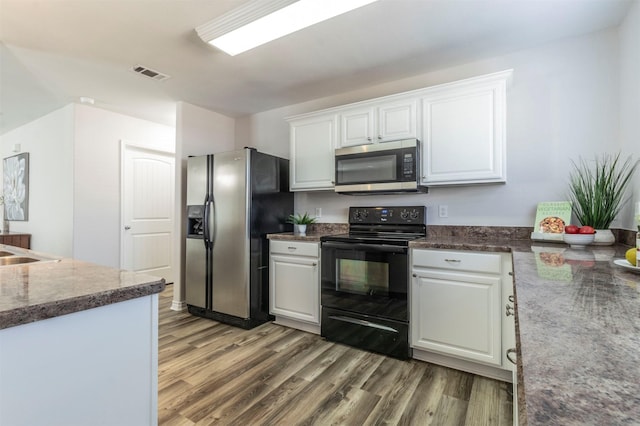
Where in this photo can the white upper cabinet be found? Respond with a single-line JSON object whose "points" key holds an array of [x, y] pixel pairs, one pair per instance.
{"points": [[379, 122], [461, 126], [356, 127], [464, 132], [398, 120], [312, 149]]}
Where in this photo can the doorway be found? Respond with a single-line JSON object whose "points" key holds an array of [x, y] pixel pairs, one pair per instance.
{"points": [[147, 211]]}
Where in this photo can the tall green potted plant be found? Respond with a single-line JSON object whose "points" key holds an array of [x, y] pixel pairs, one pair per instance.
{"points": [[597, 189]]}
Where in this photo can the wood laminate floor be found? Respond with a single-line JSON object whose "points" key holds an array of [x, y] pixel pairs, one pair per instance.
{"points": [[211, 373]]}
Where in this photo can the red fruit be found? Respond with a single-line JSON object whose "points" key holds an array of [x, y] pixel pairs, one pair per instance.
{"points": [[586, 230], [571, 229]]}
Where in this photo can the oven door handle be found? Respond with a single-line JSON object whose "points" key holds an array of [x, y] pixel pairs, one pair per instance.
{"points": [[363, 322], [365, 247]]}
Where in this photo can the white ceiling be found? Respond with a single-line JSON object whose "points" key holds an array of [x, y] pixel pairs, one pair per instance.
{"points": [[54, 51]]}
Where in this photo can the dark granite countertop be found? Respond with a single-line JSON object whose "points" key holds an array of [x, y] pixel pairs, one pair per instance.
{"points": [[290, 236], [314, 232], [578, 331], [40, 290]]}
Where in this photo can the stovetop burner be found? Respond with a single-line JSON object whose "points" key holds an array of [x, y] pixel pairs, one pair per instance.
{"points": [[384, 225]]}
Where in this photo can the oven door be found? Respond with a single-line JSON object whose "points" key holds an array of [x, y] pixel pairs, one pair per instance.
{"points": [[370, 279]]}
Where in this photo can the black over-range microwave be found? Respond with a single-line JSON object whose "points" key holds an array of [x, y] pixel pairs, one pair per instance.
{"points": [[387, 167]]}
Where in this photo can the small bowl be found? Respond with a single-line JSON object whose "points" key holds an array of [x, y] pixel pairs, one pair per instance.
{"points": [[578, 240]]}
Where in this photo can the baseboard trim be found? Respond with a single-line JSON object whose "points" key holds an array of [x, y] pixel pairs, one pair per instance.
{"points": [[309, 328], [460, 364], [178, 305]]}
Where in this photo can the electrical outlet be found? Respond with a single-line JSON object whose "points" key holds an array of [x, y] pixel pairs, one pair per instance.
{"points": [[443, 211], [318, 212]]}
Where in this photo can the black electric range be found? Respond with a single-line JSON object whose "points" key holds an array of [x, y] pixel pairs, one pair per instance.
{"points": [[365, 279]]}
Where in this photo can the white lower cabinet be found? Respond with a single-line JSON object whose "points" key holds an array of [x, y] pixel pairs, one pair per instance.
{"points": [[294, 284], [457, 309]]}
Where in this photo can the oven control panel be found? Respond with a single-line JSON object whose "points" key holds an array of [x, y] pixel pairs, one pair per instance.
{"points": [[390, 215]]}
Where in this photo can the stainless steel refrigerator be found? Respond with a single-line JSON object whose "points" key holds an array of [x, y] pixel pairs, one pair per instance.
{"points": [[234, 199]]}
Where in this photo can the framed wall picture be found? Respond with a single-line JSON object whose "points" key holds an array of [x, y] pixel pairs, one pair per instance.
{"points": [[16, 187]]}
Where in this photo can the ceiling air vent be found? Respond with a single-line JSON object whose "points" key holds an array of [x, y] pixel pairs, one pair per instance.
{"points": [[148, 72]]}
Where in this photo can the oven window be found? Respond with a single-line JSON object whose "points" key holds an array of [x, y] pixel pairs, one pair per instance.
{"points": [[362, 277], [367, 169]]}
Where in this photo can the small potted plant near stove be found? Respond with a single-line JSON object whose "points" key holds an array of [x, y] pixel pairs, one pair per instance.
{"points": [[597, 191], [300, 223]]}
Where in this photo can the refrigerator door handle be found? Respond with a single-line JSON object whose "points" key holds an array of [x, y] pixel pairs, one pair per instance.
{"points": [[211, 222], [205, 227]]}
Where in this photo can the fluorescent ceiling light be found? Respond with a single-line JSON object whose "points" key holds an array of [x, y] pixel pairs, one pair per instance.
{"points": [[261, 21]]}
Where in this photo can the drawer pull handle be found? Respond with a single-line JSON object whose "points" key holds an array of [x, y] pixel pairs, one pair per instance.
{"points": [[512, 299], [292, 248], [453, 260], [509, 352], [509, 310]]}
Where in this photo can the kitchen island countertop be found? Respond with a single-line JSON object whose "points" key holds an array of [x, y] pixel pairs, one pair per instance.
{"points": [[75, 338], [41, 290]]}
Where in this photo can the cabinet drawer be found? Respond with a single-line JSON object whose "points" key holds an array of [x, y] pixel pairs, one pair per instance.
{"points": [[457, 260], [294, 247]]}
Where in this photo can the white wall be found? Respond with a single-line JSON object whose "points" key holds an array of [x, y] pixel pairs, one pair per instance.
{"points": [[630, 101], [201, 131], [49, 142], [563, 103], [96, 186], [198, 132]]}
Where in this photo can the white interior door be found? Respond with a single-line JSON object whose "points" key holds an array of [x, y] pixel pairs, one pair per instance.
{"points": [[148, 211]]}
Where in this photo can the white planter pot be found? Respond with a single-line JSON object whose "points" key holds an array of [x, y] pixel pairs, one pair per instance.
{"points": [[300, 230], [604, 237]]}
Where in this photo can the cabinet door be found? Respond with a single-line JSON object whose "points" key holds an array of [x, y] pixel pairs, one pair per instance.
{"points": [[313, 153], [294, 288], [508, 327], [397, 120], [380, 122], [356, 127], [464, 134], [457, 314]]}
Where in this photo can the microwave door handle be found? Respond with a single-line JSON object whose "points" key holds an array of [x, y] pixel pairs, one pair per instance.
{"points": [[365, 247]]}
